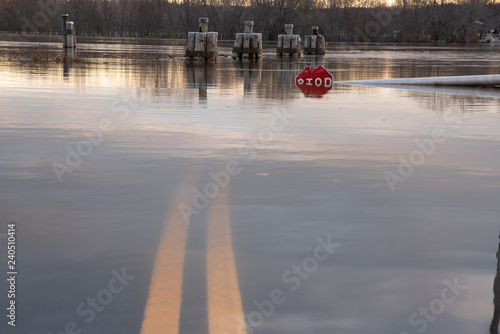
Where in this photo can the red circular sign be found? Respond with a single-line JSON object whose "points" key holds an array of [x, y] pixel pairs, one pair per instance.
{"points": [[314, 82]]}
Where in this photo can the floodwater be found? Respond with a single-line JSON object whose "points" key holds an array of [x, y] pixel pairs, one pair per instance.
{"points": [[368, 210]]}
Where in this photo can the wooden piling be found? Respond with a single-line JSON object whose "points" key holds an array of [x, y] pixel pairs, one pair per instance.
{"points": [[248, 27], [202, 45], [248, 43], [314, 44], [203, 24], [69, 37], [70, 42], [212, 50], [65, 18], [191, 40], [288, 43]]}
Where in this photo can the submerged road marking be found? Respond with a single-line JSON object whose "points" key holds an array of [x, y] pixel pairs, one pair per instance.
{"points": [[225, 312], [162, 312]]}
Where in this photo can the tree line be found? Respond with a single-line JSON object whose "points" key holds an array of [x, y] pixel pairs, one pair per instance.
{"points": [[339, 20]]}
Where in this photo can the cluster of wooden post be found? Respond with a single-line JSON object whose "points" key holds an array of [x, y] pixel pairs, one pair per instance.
{"points": [[69, 37], [314, 44], [202, 44], [248, 43], [288, 43]]}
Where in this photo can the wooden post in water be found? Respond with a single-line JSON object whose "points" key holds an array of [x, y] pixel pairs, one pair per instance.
{"points": [[314, 44], [202, 45], [248, 27], [288, 43], [203, 24], [65, 18], [248, 43], [212, 51], [69, 37], [191, 41]]}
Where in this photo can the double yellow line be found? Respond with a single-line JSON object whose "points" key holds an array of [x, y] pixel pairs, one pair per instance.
{"points": [[225, 312]]}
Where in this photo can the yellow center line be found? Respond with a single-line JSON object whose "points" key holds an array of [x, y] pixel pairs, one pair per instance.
{"points": [[225, 313], [165, 293]]}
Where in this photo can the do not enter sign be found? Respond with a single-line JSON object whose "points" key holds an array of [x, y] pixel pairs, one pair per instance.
{"points": [[314, 82]]}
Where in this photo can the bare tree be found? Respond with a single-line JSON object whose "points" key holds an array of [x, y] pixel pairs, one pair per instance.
{"points": [[339, 20], [276, 13]]}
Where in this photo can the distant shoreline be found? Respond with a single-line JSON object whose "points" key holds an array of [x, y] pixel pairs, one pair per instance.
{"points": [[39, 38]]}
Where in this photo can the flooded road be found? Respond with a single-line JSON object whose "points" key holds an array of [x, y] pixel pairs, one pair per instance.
{"points": [[155, 195]]}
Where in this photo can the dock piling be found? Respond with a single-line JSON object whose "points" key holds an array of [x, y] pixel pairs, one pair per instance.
{"points": [[314, 44], [202, 45], [203, 24], [288, 43], [248, 27], [248, 43], [69, 37]]}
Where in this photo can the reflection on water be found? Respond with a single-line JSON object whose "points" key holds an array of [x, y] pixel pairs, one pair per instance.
{"points": [[456, 100], [272, 78], [201, 75], [66, 68], [250, 73]]}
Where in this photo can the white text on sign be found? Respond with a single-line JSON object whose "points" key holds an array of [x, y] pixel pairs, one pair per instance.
{"points": [[318, 82]]}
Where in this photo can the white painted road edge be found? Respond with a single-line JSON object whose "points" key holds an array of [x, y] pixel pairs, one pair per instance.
{"points": [[467, 80]]}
